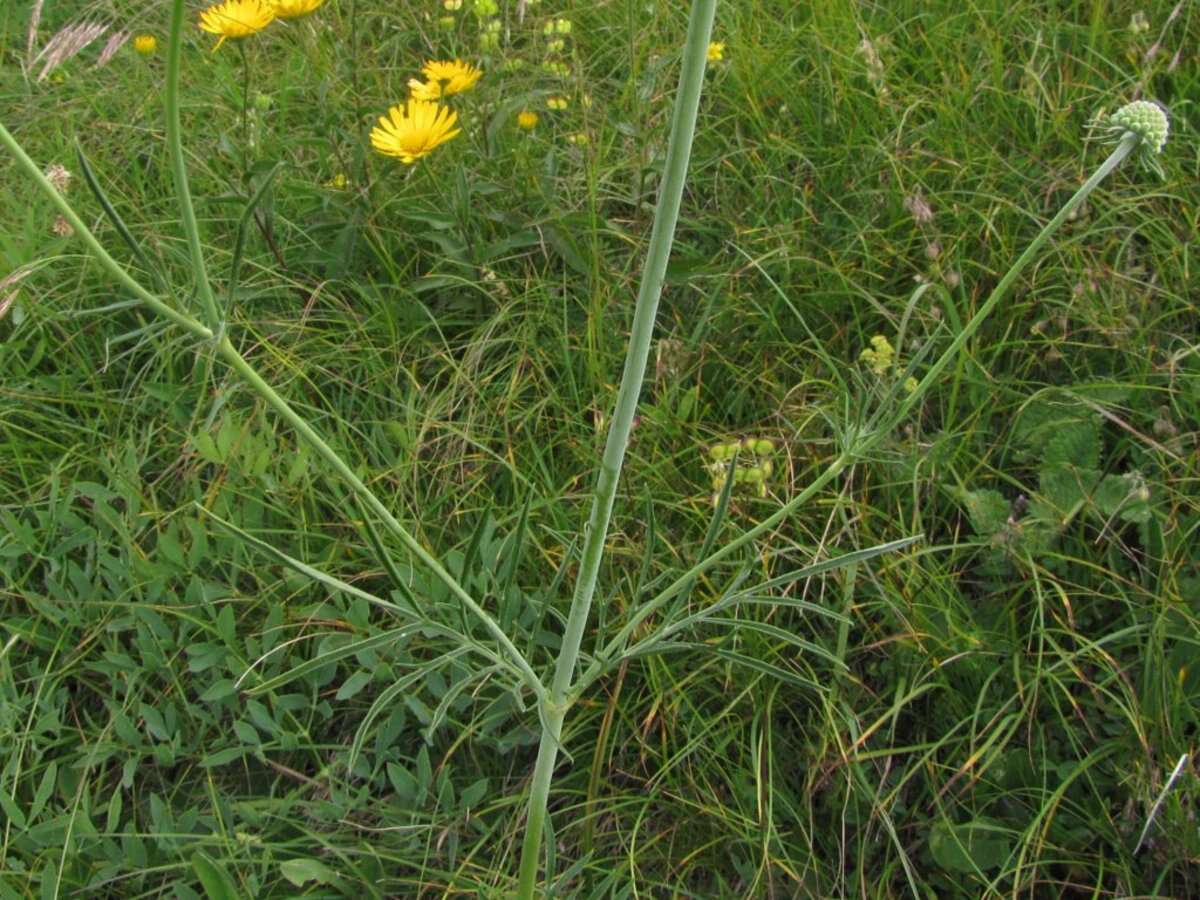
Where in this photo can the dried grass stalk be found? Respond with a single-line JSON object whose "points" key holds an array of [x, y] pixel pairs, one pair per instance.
{"points": [[66, 44], [35, 19], [115, 43]]}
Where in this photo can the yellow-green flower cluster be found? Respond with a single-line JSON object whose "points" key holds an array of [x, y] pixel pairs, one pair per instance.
{"points": [[880, 356], [556, 32], [754, 465], [490, 27]]}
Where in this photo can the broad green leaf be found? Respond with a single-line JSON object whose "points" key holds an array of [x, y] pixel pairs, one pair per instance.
{"points": [[970, 848], [216, 881], [301, 871]]}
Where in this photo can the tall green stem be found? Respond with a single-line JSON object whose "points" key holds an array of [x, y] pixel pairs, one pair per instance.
{"points": [[179, 170], [679, 148]]}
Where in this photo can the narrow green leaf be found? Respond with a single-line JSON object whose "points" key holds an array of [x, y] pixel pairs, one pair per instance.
{"points": [[44, 789], [111, 212], [239, 243], [303, 568]]}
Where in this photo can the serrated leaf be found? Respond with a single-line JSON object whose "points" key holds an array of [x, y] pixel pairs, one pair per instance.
{"points": [[1075, 443], [1064, 487], [987, 510]]}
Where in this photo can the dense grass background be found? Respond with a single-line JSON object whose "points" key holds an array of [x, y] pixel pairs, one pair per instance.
{"points": [[1003, 704]]}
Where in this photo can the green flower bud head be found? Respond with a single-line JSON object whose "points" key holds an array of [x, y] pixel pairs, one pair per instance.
{"points": [[718, 452], [764, 447], [1145, 119], [755, 475]]}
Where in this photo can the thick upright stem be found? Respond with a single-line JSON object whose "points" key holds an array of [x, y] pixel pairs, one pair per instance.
{"points": [[679, 148]]}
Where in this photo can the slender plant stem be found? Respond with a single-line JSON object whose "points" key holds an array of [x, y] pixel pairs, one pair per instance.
{"points": [[245, 111], [1126, 146], [84, 233], [679, 148], [238, 363], [179, 171]]}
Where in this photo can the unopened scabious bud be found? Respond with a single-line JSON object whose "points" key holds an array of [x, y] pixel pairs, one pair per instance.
{"points": [[1146, 119]]}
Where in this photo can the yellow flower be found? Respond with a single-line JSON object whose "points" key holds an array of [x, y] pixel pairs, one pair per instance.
{"points": [[458, 75], [145, 44], [716, 51], [526, 119], [412, 131], [294, 9], [338, 182], [236, 19], [422, 90]]}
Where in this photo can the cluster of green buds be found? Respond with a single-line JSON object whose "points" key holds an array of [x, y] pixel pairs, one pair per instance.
{"points": [[556, 31], [880, 358], [1149, 122], [753, 467], [448, 23], [490, 27]]}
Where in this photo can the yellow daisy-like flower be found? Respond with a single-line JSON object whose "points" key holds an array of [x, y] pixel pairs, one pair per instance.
{"points": [[716, 51], [145, 44], [236, 19], [424, 90], [452, 77], [294, 9], [412, 131], [527, 119]]}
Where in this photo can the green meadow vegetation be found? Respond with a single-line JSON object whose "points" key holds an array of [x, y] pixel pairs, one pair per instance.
{"points": [[900, 595]]}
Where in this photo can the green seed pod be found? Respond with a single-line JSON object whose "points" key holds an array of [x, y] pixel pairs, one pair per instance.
{"points": [[731, 449], [755, 475], [1146, 119], [764, 447], [767, 467], [739, 475], [718, 452]]}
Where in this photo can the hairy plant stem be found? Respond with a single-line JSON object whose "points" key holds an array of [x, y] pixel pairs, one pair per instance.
{"points": [[555, 705]]}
